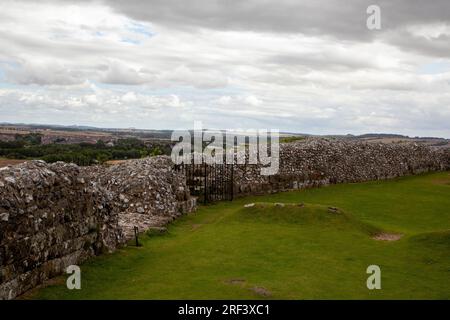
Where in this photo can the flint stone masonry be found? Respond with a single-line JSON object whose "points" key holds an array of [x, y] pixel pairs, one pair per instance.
{"points": [[55, 215], [51, 217], [147, 192], [315, 162]]}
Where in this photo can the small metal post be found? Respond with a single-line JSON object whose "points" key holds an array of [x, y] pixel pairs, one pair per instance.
{"points": [[136, 230]]}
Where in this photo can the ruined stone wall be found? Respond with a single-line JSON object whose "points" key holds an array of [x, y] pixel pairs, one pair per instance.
{"points": [[146, 192], [318, 161], [51, 216], [55, 215]]}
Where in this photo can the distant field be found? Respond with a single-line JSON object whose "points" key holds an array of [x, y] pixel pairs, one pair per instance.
{"points": [[228, 251], [7, 162], [54, 133], [114, 162]]}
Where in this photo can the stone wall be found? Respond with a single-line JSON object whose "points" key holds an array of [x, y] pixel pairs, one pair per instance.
{"points": [[318, 161], [146, 192], [51, 216], [55, 215]]}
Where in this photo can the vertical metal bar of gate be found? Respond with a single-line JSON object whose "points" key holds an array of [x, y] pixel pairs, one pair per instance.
{"points": [[232, 182], [222, 182], [205, 197], [215, 182], [224, 179]]}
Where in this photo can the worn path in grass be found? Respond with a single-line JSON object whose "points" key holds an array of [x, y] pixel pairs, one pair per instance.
{"points": [[226, 251]]}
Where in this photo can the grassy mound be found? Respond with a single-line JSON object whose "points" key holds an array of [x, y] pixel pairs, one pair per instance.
{"points": [[303, 214]]}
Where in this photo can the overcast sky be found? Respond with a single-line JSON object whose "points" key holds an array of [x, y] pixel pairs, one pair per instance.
{"points": [[302, 66]]}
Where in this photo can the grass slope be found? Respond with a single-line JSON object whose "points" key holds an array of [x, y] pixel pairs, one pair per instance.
{"points": [[227, 251]]}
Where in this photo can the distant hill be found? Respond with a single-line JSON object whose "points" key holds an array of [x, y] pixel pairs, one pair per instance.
{"points": [[166, 134]]}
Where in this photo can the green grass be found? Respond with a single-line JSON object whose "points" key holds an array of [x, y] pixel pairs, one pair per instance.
{"points": [[291, 139], [225, 250]]}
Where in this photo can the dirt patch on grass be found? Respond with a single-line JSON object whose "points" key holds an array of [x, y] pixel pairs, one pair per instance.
{"points": [[387, 236], [259, 291], [263, 292], [196, 226], [442, 180], [239, 282]]}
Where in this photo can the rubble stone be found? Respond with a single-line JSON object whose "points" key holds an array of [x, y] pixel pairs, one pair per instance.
{"points": [[55, 215], [316, 162], [146, 192], [49, 220]]}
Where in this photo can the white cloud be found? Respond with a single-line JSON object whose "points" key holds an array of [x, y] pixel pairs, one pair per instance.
{"points": [[106, 64]]}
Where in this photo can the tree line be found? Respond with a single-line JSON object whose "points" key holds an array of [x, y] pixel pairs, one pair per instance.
{"points": [[83, 154]]}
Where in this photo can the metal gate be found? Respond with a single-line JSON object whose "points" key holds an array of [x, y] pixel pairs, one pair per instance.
{"points": [[209, 182]]}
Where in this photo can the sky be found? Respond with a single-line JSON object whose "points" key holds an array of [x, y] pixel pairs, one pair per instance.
{"points": [[307, 66]]}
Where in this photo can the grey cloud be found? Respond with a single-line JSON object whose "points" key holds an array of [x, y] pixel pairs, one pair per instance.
{"points": [[48, 74], [436, 47], [119, 73], [322, 61], [286, 16], [318, 17], [345, 20], [29, 45]]}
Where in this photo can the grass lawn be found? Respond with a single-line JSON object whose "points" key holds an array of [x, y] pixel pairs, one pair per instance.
{"points": [[226, 251]]}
